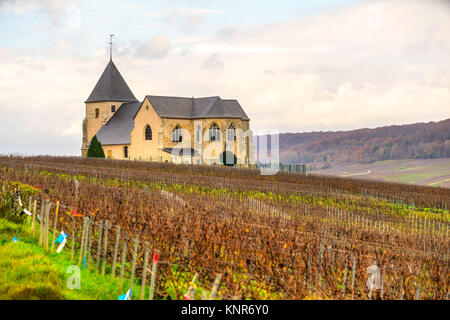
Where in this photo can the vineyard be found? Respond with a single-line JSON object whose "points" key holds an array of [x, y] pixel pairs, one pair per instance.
{"points": [[245, 235]]}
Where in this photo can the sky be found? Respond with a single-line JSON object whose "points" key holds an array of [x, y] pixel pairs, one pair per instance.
{"points": [[294, 66]]}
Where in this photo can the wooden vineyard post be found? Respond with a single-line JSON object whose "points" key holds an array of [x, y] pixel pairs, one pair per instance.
{"points": [[320, 267], [402, 289], [124, 254], [89, 251], [47, 222], [83, 239], [144, 272], [308, 281], [44, 225], [83, 247], [133, 264], [116, 249], [33, 222], [345, 279], [87, 243], [55, 225], [41, 224], [73, 238], [215, 287], [99, 247], [190, 295], [353, 277], [30, 202], [105, 246], [153, 277], [418, 290], [382, 282]]}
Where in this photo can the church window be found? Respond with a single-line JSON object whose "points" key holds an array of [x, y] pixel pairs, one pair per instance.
{"points": [[148, 133], [214, 133], [231, 133], [113, 108], [125, 152], [176, 134], [97, 112]]}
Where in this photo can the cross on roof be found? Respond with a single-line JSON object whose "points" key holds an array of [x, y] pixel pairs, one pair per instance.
{"points": [[110, 46]]}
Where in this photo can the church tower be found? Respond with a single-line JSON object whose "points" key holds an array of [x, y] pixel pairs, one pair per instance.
{"points": [[110, 92]]}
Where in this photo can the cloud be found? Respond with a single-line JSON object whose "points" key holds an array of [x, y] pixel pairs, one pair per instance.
{"points": [[366, 65], [157, 47], [213, 63], [59, 11], [186, 19], [343, 69]]}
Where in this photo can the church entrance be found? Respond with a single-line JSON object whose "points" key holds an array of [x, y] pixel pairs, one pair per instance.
{"points": [[228, 158]]}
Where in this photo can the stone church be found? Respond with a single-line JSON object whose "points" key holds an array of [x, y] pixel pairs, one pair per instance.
{"points": [[208, 130]]}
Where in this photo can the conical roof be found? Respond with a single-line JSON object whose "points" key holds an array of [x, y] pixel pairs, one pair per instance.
{"points": [[111, 87]]}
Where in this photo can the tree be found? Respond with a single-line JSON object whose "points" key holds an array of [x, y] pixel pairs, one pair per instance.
{"points": [[95, 149]]}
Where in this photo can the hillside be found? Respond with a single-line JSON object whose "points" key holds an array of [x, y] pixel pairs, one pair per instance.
{"points": [[426, 172], [414, 141]]}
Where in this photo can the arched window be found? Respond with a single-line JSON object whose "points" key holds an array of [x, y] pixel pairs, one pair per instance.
{"points": [[214, 133], [125, 152], [148, 133], [97, 112], [176, 134], [113, 108], [231, 133]]}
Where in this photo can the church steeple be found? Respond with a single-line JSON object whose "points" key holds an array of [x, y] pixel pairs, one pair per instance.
{"points": [[111, 87]]}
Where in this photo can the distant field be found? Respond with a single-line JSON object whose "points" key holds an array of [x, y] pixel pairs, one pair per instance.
{"points": [[429, 172]]}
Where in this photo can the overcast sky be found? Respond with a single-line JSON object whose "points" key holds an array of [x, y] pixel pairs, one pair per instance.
{"points": [[293, 65]]}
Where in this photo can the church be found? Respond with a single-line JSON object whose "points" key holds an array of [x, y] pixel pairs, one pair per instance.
{"points": [[208, 130]]}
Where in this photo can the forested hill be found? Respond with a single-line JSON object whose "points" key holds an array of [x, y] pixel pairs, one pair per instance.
{"points": [[413, 141]]}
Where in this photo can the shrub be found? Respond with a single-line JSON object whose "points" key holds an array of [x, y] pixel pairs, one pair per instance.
{"points": [[9, 206], [95, 149]]}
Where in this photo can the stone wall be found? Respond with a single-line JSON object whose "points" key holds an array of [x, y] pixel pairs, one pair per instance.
{"points": [[91, 124]]}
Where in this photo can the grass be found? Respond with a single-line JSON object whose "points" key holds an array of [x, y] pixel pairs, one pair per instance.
{"points": [[415, 171], [411, 177], [27, 272], [438, 183]]}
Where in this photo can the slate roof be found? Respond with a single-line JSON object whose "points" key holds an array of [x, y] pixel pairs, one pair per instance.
{"points": [[111, 87], [197, 108], [117, 130]]}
